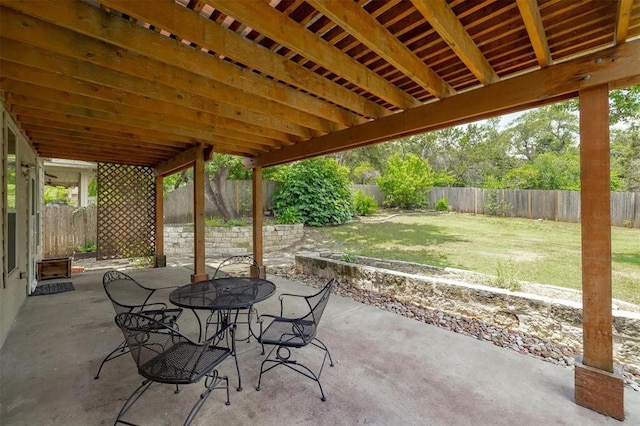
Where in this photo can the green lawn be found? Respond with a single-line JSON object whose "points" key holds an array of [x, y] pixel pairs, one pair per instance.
{"points": [[539, 251]]}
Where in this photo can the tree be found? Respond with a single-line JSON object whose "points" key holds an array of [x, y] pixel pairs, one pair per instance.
{"points": [[319, 189], [406, 181], [552, 128], [548, 171], [625, 160], [624, 106]]}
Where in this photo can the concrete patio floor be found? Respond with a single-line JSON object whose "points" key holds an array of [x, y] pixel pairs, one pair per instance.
{"points": [[389, 370]]}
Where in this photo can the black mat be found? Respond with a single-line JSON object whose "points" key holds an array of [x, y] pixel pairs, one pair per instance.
{"points": [[54, 288]]}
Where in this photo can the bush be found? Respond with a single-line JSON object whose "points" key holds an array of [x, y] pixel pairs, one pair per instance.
{"points": [[319, 189], [406, 182], [288, 216], [364, 204], [496, 206], [442, 205]]}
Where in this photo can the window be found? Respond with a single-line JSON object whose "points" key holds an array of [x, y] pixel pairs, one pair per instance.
{"points": [[11, 201]]}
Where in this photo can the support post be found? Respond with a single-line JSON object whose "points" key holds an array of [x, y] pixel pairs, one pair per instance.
{"points": [[258, 251], [199, 273], [596, 385], [160, 260]]}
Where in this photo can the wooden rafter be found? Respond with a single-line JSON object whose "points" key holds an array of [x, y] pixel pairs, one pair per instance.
{"points": [[217, 39], [533, 22], [270, 22], [622, 20], [444, 21], [365, 28], [547, 85]]}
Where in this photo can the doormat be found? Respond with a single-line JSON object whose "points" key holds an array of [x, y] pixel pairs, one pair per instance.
{"points": [[53, 288]]}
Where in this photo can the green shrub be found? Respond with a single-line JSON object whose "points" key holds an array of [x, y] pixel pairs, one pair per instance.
{"points": [[289, 215], [507, 277], [496, 206], [237, 222], [442, 205], [318, 188], [89, 247], [406, 181], [349, 257], [364, 204], [55, 195], [214, 221]]}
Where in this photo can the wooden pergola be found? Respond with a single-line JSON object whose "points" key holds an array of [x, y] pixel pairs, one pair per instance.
{"points": [[164, 83]]}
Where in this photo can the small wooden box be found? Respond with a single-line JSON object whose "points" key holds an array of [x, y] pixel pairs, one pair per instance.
{"points": [[54, 268]]}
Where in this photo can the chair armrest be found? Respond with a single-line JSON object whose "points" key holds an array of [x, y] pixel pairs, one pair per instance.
{"points": [[290, 295], [165, 316], [158, 306]]}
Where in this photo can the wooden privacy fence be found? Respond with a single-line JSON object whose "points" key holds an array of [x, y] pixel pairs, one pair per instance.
{"points": [[178, 204], [67, 228], [562, 206]]}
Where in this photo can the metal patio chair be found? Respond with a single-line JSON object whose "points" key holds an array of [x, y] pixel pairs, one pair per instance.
{"points": [[285, 333], [236, 266], [164, 355], [128, 295]]}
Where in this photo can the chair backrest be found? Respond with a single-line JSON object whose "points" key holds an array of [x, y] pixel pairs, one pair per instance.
{"points": [[233, 266], [317, 302], [165, 355], [125, 293]]}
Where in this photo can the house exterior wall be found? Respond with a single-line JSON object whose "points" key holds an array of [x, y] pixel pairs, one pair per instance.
{"points": [[15, 284]]}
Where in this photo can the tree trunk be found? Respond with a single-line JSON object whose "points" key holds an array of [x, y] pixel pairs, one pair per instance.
{"points": [[216, 194]]}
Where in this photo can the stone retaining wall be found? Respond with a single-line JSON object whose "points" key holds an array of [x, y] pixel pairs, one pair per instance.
{"points": [[229, 241], [546, 318]]}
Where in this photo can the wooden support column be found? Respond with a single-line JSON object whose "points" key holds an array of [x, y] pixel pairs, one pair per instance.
{"points": [[160, 260], [258, 248], [199, 273], [597, 386]]}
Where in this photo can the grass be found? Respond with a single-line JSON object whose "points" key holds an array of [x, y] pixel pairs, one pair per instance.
{"points": [[545, 252]]}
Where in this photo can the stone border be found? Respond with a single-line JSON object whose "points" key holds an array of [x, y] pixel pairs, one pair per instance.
{"points": [[229, 241], [543, 317]]}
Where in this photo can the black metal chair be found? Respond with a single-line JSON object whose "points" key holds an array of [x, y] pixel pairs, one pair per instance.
{"points": [[164, 355], [128, 295], [236, 266], [295, 332]]}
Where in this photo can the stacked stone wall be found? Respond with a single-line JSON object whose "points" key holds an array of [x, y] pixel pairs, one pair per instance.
{"points": [[228, 241]]}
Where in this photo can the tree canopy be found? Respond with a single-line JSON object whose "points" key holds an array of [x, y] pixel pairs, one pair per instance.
{"points": [[538, 149]]}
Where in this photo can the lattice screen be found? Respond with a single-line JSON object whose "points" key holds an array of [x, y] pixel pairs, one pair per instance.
{"points": [[126, 211]]}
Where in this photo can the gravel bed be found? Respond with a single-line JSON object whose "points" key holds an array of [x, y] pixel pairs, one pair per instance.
{"points": [[551, 351]]}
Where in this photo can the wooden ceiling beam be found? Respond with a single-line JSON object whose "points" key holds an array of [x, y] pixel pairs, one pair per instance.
{"points": [[43, 35], [71, 99], [35, 57], [148, 138], [181, 161], [270, 22], [58, 113], [364, 27], [533, 89], [533, 22], [110, 141], [52, 151], [447, 25], [89, 20], [623, 16], [88, 145], [16, 76]]}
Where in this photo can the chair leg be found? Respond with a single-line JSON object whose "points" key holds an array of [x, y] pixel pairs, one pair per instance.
{"points": [[122, 347], [132, 400], [285, 359], [211, 383]]}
